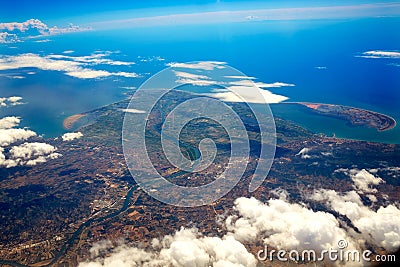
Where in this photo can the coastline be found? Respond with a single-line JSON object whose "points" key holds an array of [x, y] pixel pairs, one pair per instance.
{"points": [[69, 122], [315, 107]]}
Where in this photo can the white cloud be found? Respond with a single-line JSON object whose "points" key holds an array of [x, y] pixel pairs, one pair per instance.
{"points": [[25, 26], [193, 79], [9, 122], [304, 153], [185, 248], [10, 101], [88, 74], [132, 110], [251, 92], [203, 65], [28, 154], [71, 136], [31, 150], [249, 83], [32, 28], [380, 228], [275, 85], [13, 76], [380, 54], [9, 136], [151, 59], [393, 171], [14, 100], [187, 75], [278, 223], [285, 226], [236, 91], [92, 74], [72, 66], [372, 198], [246, 15], [248, 95], [242, 90], [94, 59], [125, 74], [5, 162], [69, 29], [8, 38], [198, 82], [363, 179], [240, 77]]}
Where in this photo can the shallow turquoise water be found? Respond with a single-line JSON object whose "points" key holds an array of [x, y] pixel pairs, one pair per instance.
{"points": [[332, 126]]}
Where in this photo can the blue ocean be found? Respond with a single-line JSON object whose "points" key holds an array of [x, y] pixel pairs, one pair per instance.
{"points": [[321, 57]]}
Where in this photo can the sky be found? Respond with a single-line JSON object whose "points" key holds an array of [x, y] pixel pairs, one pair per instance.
{"points": [[85, 11]]}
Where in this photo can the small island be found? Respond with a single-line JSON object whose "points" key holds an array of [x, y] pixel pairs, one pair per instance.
{"points": [[354, 116]]}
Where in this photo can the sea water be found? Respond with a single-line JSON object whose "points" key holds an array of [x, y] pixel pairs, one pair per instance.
{"points": [[321, 57]]}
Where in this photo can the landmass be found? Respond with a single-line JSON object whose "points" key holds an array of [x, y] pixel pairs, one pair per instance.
{"points": [[70, 121], [352, 115], [53, 213]]}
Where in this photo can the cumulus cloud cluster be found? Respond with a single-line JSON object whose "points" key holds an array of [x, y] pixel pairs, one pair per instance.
{"points": [[9, 136], [377, 227], [234, 88], [28, 154], [284, 225], [185, 248], [75, 66], [25, 154], [25, 26], [12, 32], [380, 228], [71, 136], [279, 224], [9, 122], [363, 180]]}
